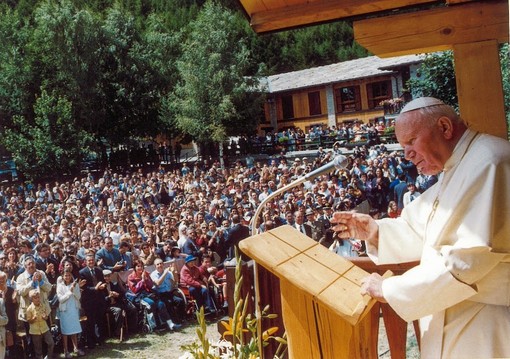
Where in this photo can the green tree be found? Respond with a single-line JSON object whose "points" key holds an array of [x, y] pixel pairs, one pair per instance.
{"points": [[307, 47], [136, 71], [215, 98], [504, 58], [436, 78], [51, 143], [15, 72], [63, 52]]}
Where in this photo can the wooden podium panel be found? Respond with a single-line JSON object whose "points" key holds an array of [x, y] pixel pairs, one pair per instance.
{"points": [[323, 311]]}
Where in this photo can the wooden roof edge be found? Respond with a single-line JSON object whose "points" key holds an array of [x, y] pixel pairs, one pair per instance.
{"points": [[282, 18]]}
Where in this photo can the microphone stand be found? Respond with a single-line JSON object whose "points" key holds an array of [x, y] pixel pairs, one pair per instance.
{"points": [[254, 225]]}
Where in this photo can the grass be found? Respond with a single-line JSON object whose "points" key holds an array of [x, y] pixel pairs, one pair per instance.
{"points": [[157, 345], [167, 345]]}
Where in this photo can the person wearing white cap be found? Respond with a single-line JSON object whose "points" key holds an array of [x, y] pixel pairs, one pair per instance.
{"points": [[459, 231]]}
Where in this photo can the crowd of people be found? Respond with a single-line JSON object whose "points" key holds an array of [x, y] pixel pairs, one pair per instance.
{"points": [[63, 242], [288, 139]]}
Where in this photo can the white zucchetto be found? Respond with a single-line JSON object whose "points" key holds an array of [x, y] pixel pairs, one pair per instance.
{"points": [[421, 102]]}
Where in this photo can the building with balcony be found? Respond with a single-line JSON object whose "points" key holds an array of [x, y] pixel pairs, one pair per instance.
{"points": [[363, 90]]}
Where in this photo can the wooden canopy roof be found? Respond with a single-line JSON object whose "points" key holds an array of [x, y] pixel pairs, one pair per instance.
{"points": [[472, 29], [273, 15]]}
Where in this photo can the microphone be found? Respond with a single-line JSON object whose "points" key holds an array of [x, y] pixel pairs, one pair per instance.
{"points": [[339, 162]]}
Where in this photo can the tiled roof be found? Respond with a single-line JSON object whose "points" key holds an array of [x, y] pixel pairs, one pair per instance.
{"points": [[339, 72]]}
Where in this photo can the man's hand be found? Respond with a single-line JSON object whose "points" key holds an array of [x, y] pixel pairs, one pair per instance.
{"points": [[118, 267], [36, 277], [50, 268], [100, 286], [356, 225], [372, 285]]}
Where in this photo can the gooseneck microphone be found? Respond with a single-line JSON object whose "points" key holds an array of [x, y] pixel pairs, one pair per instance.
{"points": [[339, 162]]}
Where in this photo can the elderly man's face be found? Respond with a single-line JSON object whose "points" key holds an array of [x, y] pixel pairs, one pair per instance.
{"points": [[425, 145]]}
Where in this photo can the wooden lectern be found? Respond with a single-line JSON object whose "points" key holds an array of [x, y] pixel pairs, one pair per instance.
{"points": [[323, 311]]}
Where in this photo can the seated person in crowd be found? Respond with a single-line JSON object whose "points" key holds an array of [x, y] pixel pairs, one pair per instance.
{"points": [[140, 284], [165, 253], [126, 255], [118, 305], [147, 254], [110, 257], [214, 277], [9, 297], [164, 285], [197, 284]]}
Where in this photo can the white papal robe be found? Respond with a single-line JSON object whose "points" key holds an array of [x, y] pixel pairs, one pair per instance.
{"points": [[459, 229]]}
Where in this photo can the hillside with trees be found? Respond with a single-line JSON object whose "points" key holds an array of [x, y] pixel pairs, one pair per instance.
{"points": [[77, 77]]}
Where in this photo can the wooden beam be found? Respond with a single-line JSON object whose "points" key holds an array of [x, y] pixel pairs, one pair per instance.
{"points": [[453, 2], [312, 12], [479, 87], [434, 30]]}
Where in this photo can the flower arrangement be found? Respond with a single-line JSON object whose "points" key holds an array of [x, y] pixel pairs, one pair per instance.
{"points": [[391, 101], [392, 105], [242, 329]]}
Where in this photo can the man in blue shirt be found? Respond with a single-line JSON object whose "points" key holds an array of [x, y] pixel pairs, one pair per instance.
{"points": [[109, 257], [164, 285]]}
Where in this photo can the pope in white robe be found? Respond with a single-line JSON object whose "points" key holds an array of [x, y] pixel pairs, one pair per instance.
{"points": [[459, 230]]}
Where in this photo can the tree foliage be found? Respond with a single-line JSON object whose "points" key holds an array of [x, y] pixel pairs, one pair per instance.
{"points": [[504, 58], [51, 143], [115, 65], [307, 47], [214, 98], [436, 78]]}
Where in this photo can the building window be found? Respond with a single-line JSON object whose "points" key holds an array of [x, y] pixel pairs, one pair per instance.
{"points": [[377, 92], [314, 103], [348, 99], [287, 107]]}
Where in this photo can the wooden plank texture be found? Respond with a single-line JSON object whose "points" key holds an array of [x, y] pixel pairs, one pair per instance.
{"points": [[321, 274], [434, 30], [480, 87], [306, 274], [269, 249], [298, 316], [274, 15]]}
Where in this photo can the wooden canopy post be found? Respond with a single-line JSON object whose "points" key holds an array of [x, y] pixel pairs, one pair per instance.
{"points": [[478, 81]]}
